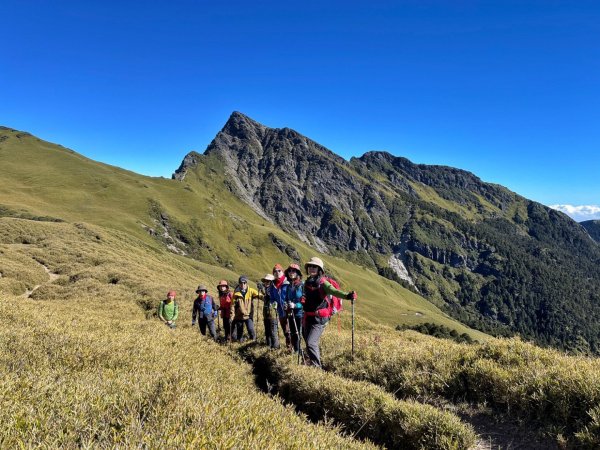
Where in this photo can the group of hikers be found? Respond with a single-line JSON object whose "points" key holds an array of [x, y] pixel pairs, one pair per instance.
{"points": [[301, 308]]}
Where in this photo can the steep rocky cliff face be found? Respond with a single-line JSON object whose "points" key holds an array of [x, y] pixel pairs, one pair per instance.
{"points": [[491, 258]]}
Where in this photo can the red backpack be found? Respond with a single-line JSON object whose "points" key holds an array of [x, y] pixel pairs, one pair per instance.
{"points": [[334, 304]]}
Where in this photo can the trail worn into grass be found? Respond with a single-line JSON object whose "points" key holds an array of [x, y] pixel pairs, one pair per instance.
{"points": [[52, 278]]}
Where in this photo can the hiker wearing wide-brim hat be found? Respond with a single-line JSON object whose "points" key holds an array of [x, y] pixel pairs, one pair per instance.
{"points": [[205, 310], [225, 300], [242, 309], [168, 310], [317, 306], [270, 316], [294, 307]]}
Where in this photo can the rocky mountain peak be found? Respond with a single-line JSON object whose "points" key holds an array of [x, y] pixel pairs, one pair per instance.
{"points": [[439, 230]]}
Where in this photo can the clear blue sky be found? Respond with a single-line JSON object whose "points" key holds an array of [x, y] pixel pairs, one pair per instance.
{"points": [[509, 90]]}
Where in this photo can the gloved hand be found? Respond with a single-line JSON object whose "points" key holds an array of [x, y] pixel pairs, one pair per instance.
{"points": [[351, 295], [291, 305]]}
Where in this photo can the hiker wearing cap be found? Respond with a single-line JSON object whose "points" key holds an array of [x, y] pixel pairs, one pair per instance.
{"points": [[168, 310], [295, 311], [270, 316], [242, 310], [225, 301], [205, 310], [317, 310], [278, 295]]}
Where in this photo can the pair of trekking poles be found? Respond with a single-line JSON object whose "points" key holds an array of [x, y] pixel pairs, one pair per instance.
{"points": [[292, 318]]}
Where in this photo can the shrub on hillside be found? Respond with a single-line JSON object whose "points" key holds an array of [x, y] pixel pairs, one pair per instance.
{"points": [[544, 385], [362, 408]]}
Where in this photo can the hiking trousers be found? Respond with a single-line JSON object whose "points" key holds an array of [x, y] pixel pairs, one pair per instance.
{"points": [[313, 329], [203, 323], [238, 329], [271, 333], [227, 327], [285, 327]]}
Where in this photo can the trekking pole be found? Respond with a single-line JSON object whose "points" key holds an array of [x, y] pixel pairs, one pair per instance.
{"points": [[300, 338], [352, 301], [261, 290]]}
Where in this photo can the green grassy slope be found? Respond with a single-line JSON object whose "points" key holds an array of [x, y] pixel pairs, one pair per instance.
{"points": [[43, 179]]}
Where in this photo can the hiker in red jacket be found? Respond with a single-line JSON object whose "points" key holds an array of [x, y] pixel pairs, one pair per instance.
{"points": [[317, 308], [225, 299]]}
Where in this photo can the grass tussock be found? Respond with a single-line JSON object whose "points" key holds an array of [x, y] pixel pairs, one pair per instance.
{"points": [[361, 408], [558, 391], [92, 376]]}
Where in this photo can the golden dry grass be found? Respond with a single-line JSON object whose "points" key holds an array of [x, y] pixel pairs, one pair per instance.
{"points": [[559, 391], [96, 374]]}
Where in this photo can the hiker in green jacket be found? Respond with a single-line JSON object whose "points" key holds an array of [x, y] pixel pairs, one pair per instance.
{"points": [[168, 310]]}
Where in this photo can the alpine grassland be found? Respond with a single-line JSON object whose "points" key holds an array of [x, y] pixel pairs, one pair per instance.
{"points": [[85, 364], [557, 393], [101, 375], [87, 251]]}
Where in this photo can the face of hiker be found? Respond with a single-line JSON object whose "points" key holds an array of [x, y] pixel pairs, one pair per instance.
{"points": [[313, 271], [292, 274], [222, 288], [244, 285], [267, 283], [277, 273], [203, 294], [170, 297]]}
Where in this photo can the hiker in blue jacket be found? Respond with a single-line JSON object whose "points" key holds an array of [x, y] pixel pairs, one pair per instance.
{"points": [[278, 294], [270, 316], [295, 311], [205, 309]]}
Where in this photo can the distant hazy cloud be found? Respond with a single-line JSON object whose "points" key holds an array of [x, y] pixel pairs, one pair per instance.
{"points": [[581, 212]]}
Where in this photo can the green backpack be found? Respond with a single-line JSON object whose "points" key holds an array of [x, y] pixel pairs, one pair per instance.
{"points": [[269, 309]]}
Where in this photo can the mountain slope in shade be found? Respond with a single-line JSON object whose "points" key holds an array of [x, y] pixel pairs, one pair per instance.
{"points": [[489, 257], [593, 228]]}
